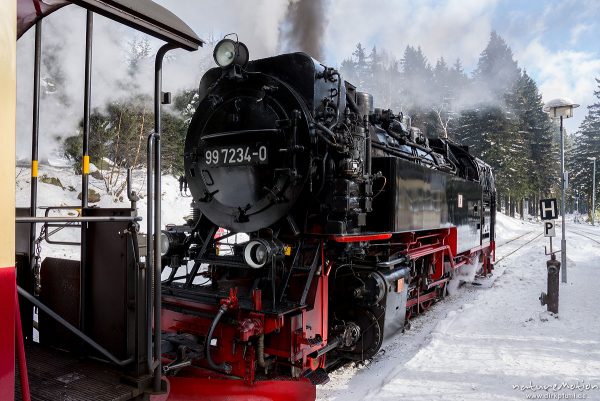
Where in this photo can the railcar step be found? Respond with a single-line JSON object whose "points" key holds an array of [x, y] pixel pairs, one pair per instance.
{"points": [[319, 376], [59, 376]]}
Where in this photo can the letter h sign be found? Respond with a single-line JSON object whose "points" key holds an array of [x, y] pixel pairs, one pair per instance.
{"points": [[548, 209]]}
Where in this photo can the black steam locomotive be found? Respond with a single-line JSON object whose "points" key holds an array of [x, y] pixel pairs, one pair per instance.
{"points": [[355, 222]]}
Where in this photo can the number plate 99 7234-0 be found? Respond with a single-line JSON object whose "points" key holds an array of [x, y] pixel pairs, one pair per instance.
{"points": [[236, 155]]}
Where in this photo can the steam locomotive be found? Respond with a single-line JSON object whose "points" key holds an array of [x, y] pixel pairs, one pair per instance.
{"points": [[355, 221], [349, 222]]}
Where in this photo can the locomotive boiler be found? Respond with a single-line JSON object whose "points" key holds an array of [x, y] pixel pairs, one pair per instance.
{"points": [[355, 222]]}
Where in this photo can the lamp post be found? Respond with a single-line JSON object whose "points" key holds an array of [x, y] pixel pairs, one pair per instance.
{"points": [[562, 108], [593, 159]]}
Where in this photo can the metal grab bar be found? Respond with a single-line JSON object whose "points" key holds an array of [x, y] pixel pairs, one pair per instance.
{"points": [[73, 329], [59, 227], [158, 100], [149, 247], [97, 219]]}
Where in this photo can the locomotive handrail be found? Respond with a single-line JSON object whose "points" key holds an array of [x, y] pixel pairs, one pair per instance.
{"points": [[244, 131], [73, 329], [85, 219]]}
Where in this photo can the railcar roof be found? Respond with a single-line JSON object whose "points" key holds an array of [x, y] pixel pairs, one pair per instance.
{"points": [[142, 15]]}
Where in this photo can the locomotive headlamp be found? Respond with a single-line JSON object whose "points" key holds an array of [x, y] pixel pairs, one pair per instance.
{"points": [[164, 243], [170, 242], [228, 52], [259, 252]]}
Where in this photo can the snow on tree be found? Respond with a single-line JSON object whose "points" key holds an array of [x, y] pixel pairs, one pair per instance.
{"points": [[586, 144]]}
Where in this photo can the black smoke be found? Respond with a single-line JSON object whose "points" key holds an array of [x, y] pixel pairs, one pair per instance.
{"points": [[303, 28]]}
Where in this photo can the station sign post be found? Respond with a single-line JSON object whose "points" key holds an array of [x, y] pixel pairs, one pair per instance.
{"points": [[548, 214]]}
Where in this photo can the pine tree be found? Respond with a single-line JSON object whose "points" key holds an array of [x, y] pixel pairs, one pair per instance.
{"points": [[415, 80], [536, 128], [587, 144], [361, 66], [374, 84], [497, 71], [491, 128]]}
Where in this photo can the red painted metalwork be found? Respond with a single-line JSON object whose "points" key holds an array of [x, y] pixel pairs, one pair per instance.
{"points": [[452, 240], [361, 238], [426, 250], [436, 246], [7, 333], [192, 388], [21, 352], [257, 299], [420, 299], [438, 283], [290, 338], [38, 8]]}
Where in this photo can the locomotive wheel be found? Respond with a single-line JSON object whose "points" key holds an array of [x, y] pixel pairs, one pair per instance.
{"points": [[426, 305], [371, 336]]}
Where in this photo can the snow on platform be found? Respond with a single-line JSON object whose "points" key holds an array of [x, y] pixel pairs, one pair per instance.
{"points": [[495, 341]]}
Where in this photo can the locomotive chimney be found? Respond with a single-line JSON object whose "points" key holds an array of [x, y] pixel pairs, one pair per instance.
{"points": [[304, 27]]}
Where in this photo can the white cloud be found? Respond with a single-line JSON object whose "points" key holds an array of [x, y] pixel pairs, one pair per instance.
{"points": [[577, 31], [563, 73], [452, 29], [256, 22]]}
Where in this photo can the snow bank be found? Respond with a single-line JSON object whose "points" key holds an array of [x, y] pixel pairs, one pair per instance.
{"points": [[508, 228]]}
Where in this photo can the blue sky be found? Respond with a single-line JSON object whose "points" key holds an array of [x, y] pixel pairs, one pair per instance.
{"points": [[555, 41]]}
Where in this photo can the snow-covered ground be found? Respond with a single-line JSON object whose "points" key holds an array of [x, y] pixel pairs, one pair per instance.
{"points": [[495, 341]]}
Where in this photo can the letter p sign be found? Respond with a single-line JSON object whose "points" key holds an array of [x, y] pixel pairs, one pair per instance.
{"points": [[549, 229]]}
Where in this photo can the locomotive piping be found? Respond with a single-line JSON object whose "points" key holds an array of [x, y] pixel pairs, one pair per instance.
{"points": [[261, 351], [327, 140], [352, 103], [224, 367], [339, 96], [323, 170]]}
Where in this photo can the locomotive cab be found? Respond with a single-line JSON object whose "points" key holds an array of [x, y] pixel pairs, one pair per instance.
{"points": [[98, 330]]}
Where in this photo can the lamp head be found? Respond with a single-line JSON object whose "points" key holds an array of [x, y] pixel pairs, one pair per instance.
{"points": [[561, 107], [230, 53]]}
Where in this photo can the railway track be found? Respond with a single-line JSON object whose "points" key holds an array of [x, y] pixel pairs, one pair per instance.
{"points": [[592, 235], [530, 240], [513, 239], [579, 232]]}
